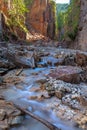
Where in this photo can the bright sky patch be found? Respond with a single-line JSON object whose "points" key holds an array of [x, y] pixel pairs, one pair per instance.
{"points": [[62, 1]]}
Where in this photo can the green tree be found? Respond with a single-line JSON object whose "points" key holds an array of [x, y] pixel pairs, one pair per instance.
{"points": [[72, 19], [68, 19]]}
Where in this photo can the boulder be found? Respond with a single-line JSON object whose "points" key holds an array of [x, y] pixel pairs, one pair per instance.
{"points": [[1, 80], [4, 125], [81, 58], [2, 114], [16, 120], [21, 59], [66, 73]]}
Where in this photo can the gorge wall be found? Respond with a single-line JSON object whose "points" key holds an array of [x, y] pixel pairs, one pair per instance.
{"points": [[82, 33], [42, 18]]}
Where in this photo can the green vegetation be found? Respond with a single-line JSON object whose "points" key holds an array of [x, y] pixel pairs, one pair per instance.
{"points": [[68, 19], [53, 3], [15, 15], [62, 7]]}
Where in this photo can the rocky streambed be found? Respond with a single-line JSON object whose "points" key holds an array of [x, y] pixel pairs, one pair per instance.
{"points": [[48, 81]]}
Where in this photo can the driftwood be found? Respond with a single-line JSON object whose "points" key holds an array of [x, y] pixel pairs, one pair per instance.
{"points": [[19, 72], [45, 122]]}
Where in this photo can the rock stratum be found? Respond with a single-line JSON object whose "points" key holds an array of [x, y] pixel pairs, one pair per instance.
{"points": [[42, 17], [82, 33]]}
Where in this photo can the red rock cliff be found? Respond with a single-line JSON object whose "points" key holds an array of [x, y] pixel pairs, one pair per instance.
{"points": [[42, 18], [82, 34]]}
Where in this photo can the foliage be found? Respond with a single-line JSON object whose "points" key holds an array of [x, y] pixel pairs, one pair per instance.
{"points": [[72, 19], [53, 4], [61, 7], [68, 19], [15, 12]]}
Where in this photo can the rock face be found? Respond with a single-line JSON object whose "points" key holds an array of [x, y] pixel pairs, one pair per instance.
{"points": [[42, 17], [82, 34]]}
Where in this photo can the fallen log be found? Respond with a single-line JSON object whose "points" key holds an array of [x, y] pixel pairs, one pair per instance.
{"points": [[19, 72], [38, 118]]}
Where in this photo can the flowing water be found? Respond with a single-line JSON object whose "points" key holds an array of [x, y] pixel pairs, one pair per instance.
{"points": [[21, 97]]}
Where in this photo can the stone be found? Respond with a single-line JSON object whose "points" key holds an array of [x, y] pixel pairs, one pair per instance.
{"points": [[16, 120], [5, 63], [66, 73], [52, 61], [2, 114], [59, 94], [81, 58], [41, 80], [4, 125], [21, 60], [70, 60], [1, 80]]}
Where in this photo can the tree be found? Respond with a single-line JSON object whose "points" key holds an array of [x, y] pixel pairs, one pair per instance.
{"points": [[68, 19], [72, 19]]}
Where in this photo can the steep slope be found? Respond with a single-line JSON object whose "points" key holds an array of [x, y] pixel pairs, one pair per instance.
{"points": [[82, 34], [42, 18]]}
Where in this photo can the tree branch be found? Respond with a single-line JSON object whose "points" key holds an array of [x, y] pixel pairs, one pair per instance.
{"points": [[46, 123]]}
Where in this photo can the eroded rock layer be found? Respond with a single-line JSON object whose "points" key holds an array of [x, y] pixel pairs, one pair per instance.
{"points": [[82, 37], [42, 17]]}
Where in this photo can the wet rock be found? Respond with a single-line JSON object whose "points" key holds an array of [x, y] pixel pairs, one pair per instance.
{"points": [[13, 112], [52, 61], [1, 80], [3, 71], [81, 58], [41, 80], [70, 60], [82, 100], [2, 114], [22, 61], [13, 80], [21, 56], [41, 64], [5, 63], [73, 103], [4, 125], [59, 94], [58, 87], [16, 120], [82, 121], [9, 115], [3, 52], [69, 94], [66, 73]]}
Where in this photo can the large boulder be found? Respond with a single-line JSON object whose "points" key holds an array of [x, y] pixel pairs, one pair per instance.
{"points": [[81, 58], [21, 58], [66, 73]]}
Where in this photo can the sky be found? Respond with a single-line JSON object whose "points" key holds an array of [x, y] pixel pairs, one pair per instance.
{"points": [[62, 1]]}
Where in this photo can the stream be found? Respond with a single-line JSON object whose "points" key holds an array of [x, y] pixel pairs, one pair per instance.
{"points": [[20, 95], [55, 89]]}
